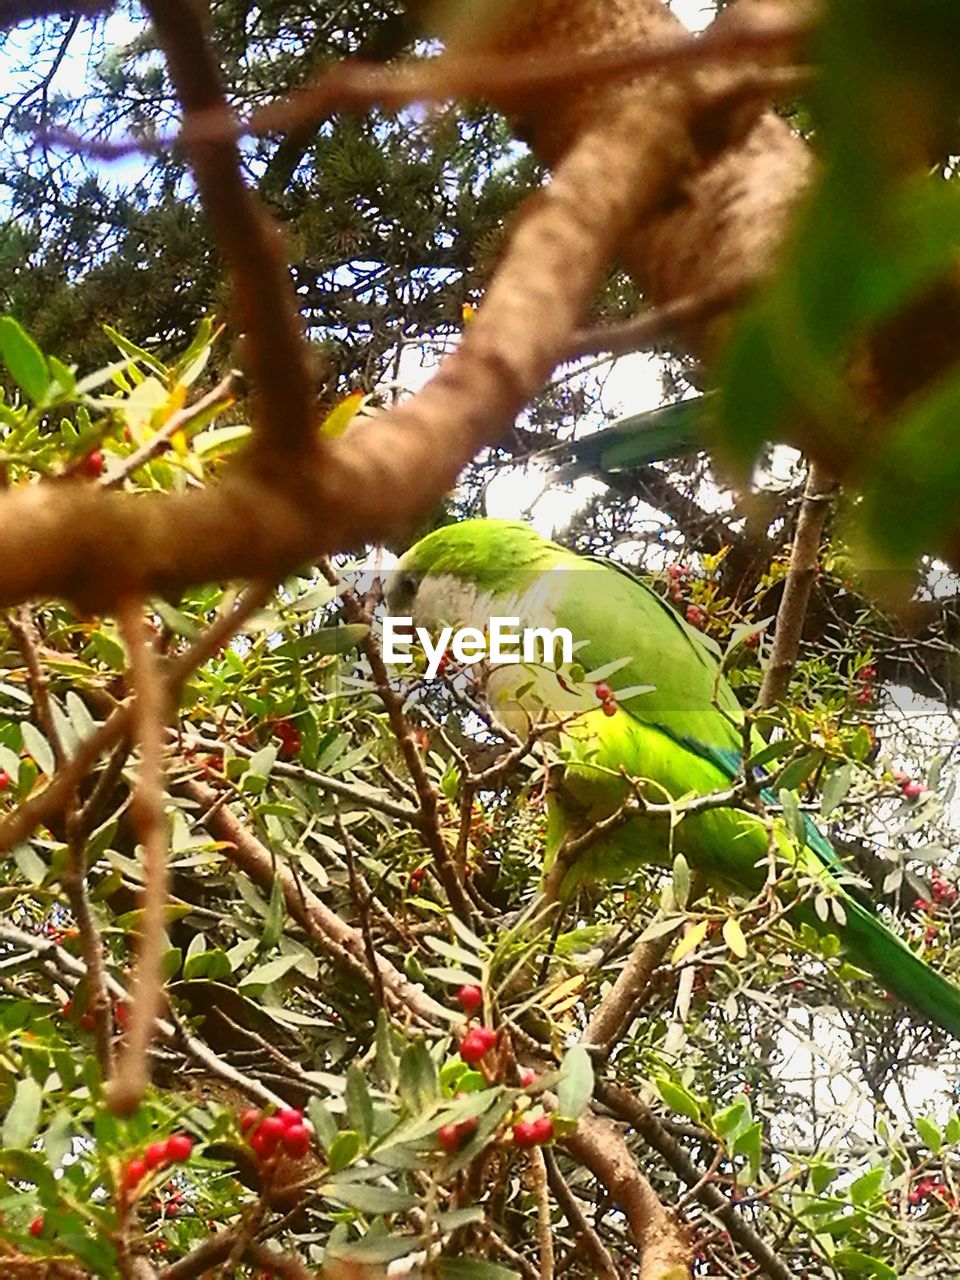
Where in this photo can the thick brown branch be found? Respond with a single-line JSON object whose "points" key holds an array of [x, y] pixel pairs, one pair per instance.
{"points": [[269, 516], [600, 1146], [130, 1078], [817, 500]]}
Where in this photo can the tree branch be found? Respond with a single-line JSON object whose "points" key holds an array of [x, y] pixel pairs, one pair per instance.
{"points": [[801, 575]]}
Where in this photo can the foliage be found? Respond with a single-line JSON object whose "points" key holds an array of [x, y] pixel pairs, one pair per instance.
{"points": [[760, 1059]]}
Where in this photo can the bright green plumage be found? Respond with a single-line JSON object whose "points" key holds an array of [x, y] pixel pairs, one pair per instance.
{"points": [[683, 734]]}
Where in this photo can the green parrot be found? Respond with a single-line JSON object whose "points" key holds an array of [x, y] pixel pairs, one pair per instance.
{"points": [[671, 719]]}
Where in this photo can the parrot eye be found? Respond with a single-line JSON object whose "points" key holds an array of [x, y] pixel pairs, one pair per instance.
{"points": [[404, 591]]}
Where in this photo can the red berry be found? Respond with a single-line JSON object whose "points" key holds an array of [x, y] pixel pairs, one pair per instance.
{"points": [[66, 1007], [249, 1117], [92, 465], [179, 1147], [527, 1078], [695, 615], [448, 1136], [912, 790], [134, 1173], [753, 640], [121, 1013], [610, 707], [4, 779], [602, 690], [416, 877], [289, 1117], [155, 1155], [273, 1127], [296, 1141], [264, 1144], [476, 1044], [543, 1128], [36, 1226], [525, 1134], [173, 1208], [469, 998]]}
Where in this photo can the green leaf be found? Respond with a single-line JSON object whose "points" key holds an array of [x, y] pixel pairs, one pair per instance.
{"points": [[275, 918], [323, 1122], [370, 1199], [678, 1099], [27, 1166], [343, 1150], [681, 881], [854, 1262], [749, 1144], [20, 1122], [575, 1086], [24, 359], [37, 746], [733, 1120], [419, 1085], [866, 1188], [272, 971], [359, 1102], [930, 1134], [472, 1269], [134, 352], [214, 964], [835, 788]]}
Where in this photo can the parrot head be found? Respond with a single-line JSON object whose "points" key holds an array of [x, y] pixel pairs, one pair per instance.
{"points": [[463, 573]]}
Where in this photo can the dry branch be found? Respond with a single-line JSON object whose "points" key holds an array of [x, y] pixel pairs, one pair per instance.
{"points": [[323, 926], [130, 1077], [600, 1146], [818, 497]]}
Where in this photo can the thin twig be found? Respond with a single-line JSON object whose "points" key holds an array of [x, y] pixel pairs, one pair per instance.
{"points": [[601, 1263], [56, 795], [160, 440]]}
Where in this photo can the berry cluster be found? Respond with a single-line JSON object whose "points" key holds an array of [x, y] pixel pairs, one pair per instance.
{"points": [[533, 1133], [476, 1044], [865, 679], [416, 878], [606, 697], [86, 1020], [928, 1188], [291, 740], [676, 574], [266, 1134], [174, 1150]]}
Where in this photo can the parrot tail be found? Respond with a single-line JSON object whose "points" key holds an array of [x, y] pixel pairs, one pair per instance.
{"points": [[873, 946]]}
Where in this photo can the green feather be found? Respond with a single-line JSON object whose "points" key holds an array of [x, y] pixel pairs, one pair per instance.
{"points": [[684, 735]]}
